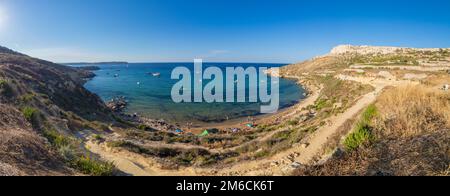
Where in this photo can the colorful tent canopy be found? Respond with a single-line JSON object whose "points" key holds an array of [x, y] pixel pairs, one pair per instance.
{"points": [[205, 133], [250, 125]]}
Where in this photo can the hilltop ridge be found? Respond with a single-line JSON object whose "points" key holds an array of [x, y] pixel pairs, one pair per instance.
{"points": [[365, 50]]}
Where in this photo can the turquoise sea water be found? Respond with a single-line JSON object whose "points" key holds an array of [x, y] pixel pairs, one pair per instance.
{"points": [[151, 96]]}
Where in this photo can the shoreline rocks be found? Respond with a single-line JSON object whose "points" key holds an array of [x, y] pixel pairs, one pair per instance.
{"points": [[117, 104]]}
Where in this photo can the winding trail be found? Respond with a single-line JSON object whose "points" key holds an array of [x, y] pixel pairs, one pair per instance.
{"points": [[134, 164]]}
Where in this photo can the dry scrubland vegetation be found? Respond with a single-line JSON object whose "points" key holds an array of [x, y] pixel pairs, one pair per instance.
{"points": [[402, 57], [406, 132]]}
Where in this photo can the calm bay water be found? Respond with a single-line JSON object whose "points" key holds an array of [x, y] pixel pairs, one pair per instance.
{"points": [[150, 96]]}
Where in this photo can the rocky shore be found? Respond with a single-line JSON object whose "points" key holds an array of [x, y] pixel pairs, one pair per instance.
{"points": [[117, 104]]}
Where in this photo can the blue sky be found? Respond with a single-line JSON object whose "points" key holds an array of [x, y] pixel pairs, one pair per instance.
{"points": [[283, 31]]}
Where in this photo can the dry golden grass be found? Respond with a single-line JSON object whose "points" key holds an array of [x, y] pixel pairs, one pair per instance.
{"points": [[413, 110], [437, 80], [412, 131]]}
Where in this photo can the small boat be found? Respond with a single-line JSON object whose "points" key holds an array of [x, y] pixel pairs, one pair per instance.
{"points": [[116, 75], [156, 74]]}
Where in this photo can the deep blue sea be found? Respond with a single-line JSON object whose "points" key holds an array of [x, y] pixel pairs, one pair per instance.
{"points": [[151, 96]]}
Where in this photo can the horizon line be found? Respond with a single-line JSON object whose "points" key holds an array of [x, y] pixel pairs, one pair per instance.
{"points": [[166, 62]]}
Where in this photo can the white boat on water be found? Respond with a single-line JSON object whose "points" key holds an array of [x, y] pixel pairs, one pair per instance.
{"points": [[156, 74]]}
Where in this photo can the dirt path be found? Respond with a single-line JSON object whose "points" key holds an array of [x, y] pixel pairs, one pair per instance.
{"points": [[134, 164]]}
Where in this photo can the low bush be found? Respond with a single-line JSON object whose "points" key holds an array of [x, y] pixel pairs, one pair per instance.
{"points": [[30, 113], [363, 130], [145, 128], [98, 137], [370, 113], [27, 98], [361, 135], [93, 167], [293, 122], [58, 140], [69, 149], [5, 88]]}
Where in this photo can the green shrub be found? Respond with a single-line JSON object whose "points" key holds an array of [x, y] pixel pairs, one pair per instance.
{"points": [[57, 140], [320, 104], [5, 88], [68, 148], [282, 135], [362, 135], [292, 122], [93, 167], [363, 130], [98, 137], [27, 98], [124, 122], [29, 113], [369, 114], [265, 128], [145, 128], [263, 153]]}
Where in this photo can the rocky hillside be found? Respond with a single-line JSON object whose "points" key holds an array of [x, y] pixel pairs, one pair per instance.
{"points": [[348, 56], [37, 96]]}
